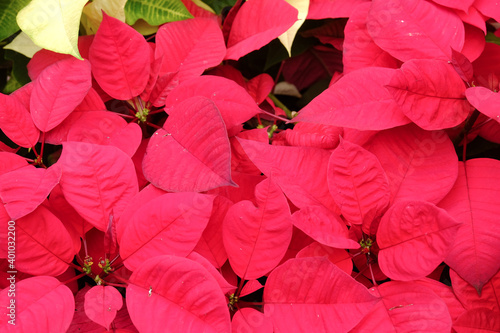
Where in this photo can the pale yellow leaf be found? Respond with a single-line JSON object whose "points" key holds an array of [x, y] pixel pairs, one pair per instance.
{"points": [[144, 28], [287, 37], [93, 13], [53, 24], [24, 45]]}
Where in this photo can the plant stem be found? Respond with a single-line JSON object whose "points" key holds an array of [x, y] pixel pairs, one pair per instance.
{"points": [[279, 104]]}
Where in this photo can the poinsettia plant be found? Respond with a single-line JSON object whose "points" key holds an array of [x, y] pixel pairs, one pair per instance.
{"points": [[251, 166]]}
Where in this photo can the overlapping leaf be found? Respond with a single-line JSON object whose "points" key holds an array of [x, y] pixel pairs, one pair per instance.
{"points": [[256, 238], [473, 201], [97, 180], [24, 189], [170, 224], [252, 321], [414, 237], [485, 100], [297, 298], [177, 295], [256, 24], [43, 245], [358, 100], [415, 29], [191, 152], [358, 184], [430, 93], [16, 122], [119, 63], [420, 165], [42, 304]]}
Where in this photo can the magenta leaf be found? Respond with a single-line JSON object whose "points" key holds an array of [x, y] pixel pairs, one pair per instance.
{"points": [[170, 224], [58, 90], [256, 238], [462, 5], [256, 24], [297, 298], [478, 320], [321, 9], [462, 66], [406, 306], [43, 245], [174, 294], [102, 303], [414, 237], [469, 297], [191, 152], [97, 180], [415, 29], [189, 47], [358, 184], [119, 63], [234, 103], [284, 164], [485, 101], [42, 304], [16, 122], [473, 201], [420, 165], [430, 93], [250, 320], [339, 257], [324, 227], [359, 49], [24, 189], [358, 100], [10, 161]]}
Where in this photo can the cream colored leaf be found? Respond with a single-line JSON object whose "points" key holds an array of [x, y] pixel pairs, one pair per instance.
{"points": [[53, 24], [287, 37], [24, 45], [93, 13]]}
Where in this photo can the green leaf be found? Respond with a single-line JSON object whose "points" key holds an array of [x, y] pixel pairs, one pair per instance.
{"points": [[8, 12], [219, 5], [156, 12], [492, 38], [53, 24]]}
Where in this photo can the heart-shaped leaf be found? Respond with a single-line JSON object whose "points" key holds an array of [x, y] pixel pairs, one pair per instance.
{"points": [[256, 238], [297, 298], [414, 237], [178, 295], [102, 303], [58, 90], [170, 224], [191, 152]]}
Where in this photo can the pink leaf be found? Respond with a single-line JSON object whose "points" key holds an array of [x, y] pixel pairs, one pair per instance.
{"points": [[462, 66], [359, 49], [256, 24], [284, 164], [225, 286], [324, 227], [235, 105], [310, 135], [358, 184], [250, 320], [10, 161], [297, 298], [16, 122], [488, 8], [415, 29], [256, 238], [469, 297], [189, 47], [155, 228], [97, 180], [430, 93], [43, 245], [24, 189], [174, 294], [358, 100], [478, 320], [414, 237], [339, 257], [102, 303], [485, 101], [211, 244], [119, 63], [321, 9], [260, 86], [420, 165], [250, 287], [473, 201], [192, 152], [42, 304], [58, 90], [462, 5], [406, 306]]}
